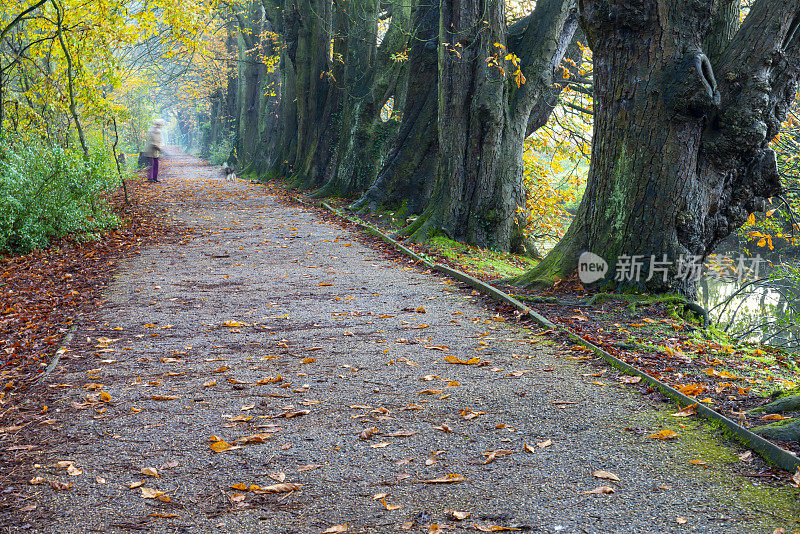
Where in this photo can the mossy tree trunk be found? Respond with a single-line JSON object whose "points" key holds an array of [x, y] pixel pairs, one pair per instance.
{"points": [[409, 171], [371, 77], [680, 155], [483, 116]]}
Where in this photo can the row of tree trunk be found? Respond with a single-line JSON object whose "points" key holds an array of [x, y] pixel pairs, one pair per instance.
{"points": [[423, 106]]}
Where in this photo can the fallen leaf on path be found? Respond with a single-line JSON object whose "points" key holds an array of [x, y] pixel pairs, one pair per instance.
{"points": [[491, 455], [390, 506], [37, 480], [452, 359], [335, 529], [664, 434], [698, 462], [150, 471], [163, 515], [527, 448], [599, 490], [468, 414], [270, 380], [74, 471], [494, 528], [456, 515], [367, 433], [437, 347], [60, 486], [435, 529], [295, 413], [380, 445], [308, 360], [220, 446], [681, 520], [164, 397], [309, 467], [400, 434], [608, 475], [284, 487], [686, 412], [277, 477], [430, 392], [448, 479], [233, 324], [134, 485], [543, 444], [254, 438], [150, 493], [625, 379]]}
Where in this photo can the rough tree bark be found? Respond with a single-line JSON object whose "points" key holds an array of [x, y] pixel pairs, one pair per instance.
{"points": [[681, 144], [408, 174], [370, 79], [483, 116]]}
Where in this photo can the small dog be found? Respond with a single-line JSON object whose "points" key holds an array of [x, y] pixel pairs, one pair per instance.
{"points": [[227, 170]]}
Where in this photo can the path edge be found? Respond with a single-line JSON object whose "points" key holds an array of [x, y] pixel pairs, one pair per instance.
{"points": [[770, 452]]}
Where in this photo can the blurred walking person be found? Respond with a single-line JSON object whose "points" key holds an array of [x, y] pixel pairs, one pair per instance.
{"points": [[154, 149]]}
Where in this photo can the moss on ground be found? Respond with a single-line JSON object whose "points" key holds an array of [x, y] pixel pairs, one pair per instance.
{"points": [[484, 261], [706, 441]]}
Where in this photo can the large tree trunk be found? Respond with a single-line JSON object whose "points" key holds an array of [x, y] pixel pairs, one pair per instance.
{"points": [[370, 79], [408, 174], [312, 67], [680, 155], [483, 117]]}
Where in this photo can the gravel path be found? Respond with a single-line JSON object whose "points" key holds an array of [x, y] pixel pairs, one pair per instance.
{"points": [[327, 338]]}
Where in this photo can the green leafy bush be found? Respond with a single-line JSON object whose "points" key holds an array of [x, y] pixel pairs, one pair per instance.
{"points": [[218, 154], [48, 192]]}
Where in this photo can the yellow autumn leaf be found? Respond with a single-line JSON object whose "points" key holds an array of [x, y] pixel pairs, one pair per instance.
{"points": [[664, 434]]}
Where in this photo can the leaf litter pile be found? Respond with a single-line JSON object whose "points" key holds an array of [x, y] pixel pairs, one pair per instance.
{"points": [[44, 292]]}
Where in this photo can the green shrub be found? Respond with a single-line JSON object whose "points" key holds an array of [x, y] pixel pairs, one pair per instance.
{"points": [[48, 192], [218, 154]]}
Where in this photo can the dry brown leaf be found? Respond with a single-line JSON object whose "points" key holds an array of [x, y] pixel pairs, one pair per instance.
{"points": [[150, 493], [444, 428], [527, 448], [74, 471], [686, 412], [430, 392], [136, 484], [240, 418], [164, 397], [60, 486], [608, 475], [456, 515], [447, 479], [309, 467], [434, 529], [400, 434], [625, 379], [254, 438], [37, 480], [295, 413], [468, 414], [599, 490], [335, 529], [150, 471], [681, 520], [278, 477], [390, 506], [379, 496], [494, 528], [795, 479], [367, 433], [283, 487], [382, 445]]}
